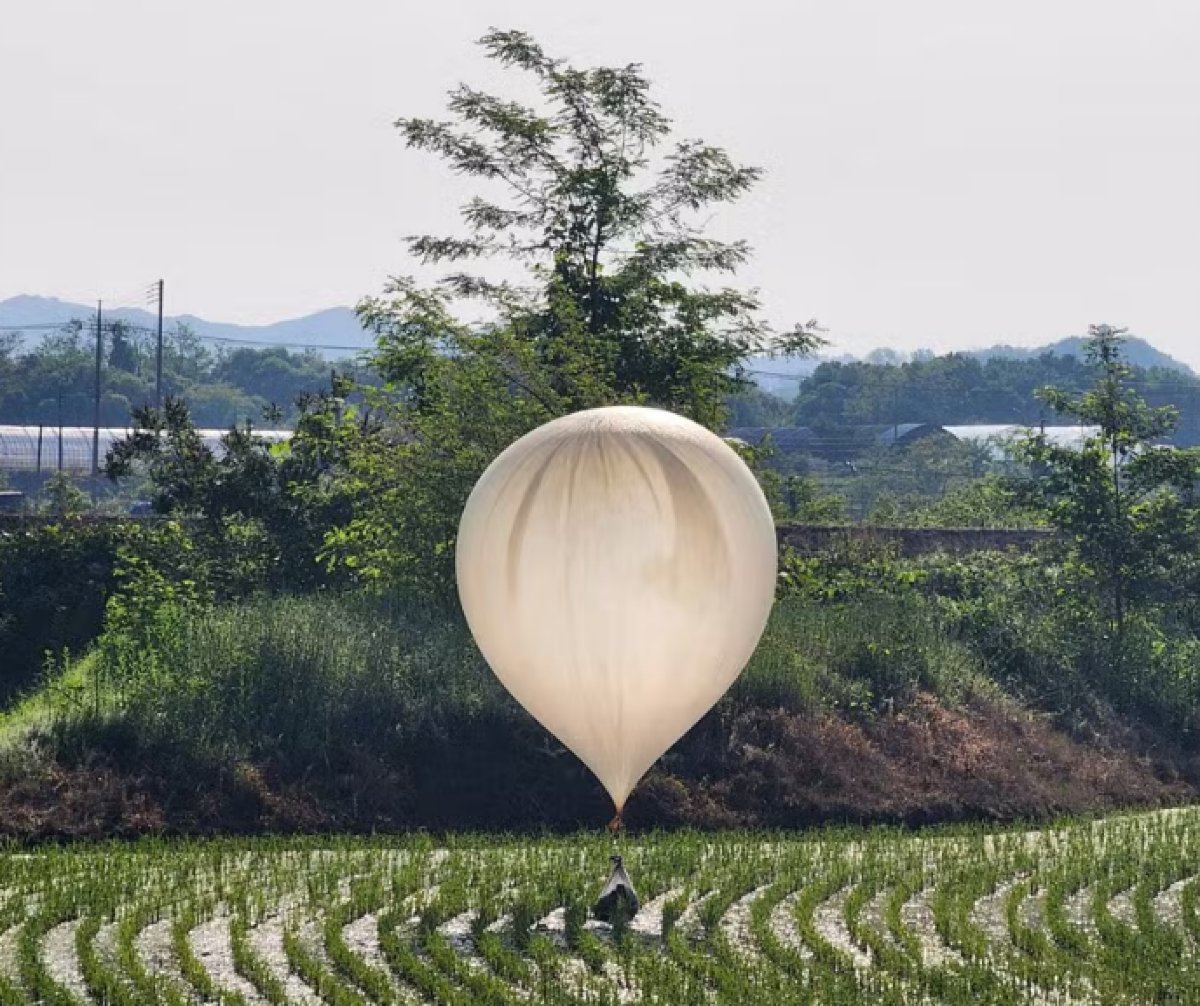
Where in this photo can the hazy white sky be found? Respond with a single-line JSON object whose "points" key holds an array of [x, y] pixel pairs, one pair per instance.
{"points": [[940, 173]]}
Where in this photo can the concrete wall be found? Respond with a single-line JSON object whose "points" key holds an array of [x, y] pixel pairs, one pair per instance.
{"points": [[804, 538], [808, 539]]}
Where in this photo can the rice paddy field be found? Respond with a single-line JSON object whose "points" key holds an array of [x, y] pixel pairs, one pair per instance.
{"points": [[1090, 912]]}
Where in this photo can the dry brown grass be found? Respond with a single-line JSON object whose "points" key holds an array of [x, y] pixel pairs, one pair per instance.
{"points": [[759, 768]]}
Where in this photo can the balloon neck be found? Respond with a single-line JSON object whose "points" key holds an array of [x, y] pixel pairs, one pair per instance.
{"points": [[616, 824]]}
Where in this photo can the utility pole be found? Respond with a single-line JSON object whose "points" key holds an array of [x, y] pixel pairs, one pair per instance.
{"points": [[96, 411], [159, 352]]}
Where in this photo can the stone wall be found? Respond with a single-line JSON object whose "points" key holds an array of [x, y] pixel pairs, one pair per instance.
{"points": [[808, 538], [804, 538]]}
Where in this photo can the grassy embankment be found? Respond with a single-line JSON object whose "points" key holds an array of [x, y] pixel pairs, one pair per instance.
{"points": [[324, 713]]}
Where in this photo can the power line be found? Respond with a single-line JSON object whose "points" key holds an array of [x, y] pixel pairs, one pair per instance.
{"points": [[36, 326], [1182, 382], [158, 350], [774, 373], [135, 297], [99, 360], [283, 345], [128, 326]]}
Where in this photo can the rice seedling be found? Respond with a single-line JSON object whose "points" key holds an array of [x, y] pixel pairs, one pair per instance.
{"points": [[1087, 912]]}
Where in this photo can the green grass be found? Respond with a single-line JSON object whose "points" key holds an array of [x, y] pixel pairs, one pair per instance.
{"points": [[295, 677], [66, 693], [834, 917], [292, 678], [861, 656]]}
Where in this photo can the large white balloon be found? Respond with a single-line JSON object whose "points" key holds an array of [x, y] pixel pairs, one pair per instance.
{"points": [[617, 567]]}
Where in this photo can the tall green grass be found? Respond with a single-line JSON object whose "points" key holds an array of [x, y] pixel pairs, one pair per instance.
{"points": [[299, 677], [304, 678], [866, 655]]}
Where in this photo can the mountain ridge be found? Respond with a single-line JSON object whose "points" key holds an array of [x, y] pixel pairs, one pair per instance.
{"points": [[1138, 351], [781, 376], [330, 330], [337, 329]]}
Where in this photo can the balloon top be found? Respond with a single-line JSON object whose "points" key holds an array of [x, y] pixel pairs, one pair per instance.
{"points": [[618, 419]]}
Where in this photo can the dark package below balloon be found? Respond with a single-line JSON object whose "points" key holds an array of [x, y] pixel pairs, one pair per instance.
{"points": [[618, 899]]}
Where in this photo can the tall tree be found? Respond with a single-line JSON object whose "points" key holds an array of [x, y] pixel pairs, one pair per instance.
{"points": [[258, 510], [601, 214], [123, 352], [1127, 503], [587, 194]]}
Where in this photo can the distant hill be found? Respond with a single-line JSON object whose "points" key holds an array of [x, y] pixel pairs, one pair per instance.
{"points": [[335, 327], [782, 377], [1137, 352], [338, 327]]}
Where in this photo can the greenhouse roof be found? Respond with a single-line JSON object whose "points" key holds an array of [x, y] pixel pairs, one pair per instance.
{"points": [[49, 448]]}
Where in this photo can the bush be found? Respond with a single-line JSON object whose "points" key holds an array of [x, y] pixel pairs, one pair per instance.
{"points": [[317, 687], [308, 680], [863, 655], [300, 679], [1032, 622], [54, 582]]}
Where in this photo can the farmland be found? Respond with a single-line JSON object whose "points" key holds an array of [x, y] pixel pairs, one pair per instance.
{"points": [[339, 725], [1102, 912]]}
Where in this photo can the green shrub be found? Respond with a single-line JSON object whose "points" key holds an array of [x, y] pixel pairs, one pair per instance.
{"points": [[299, 678], [55, 581], [862, 655], [1033, 623], [307, 680]]}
